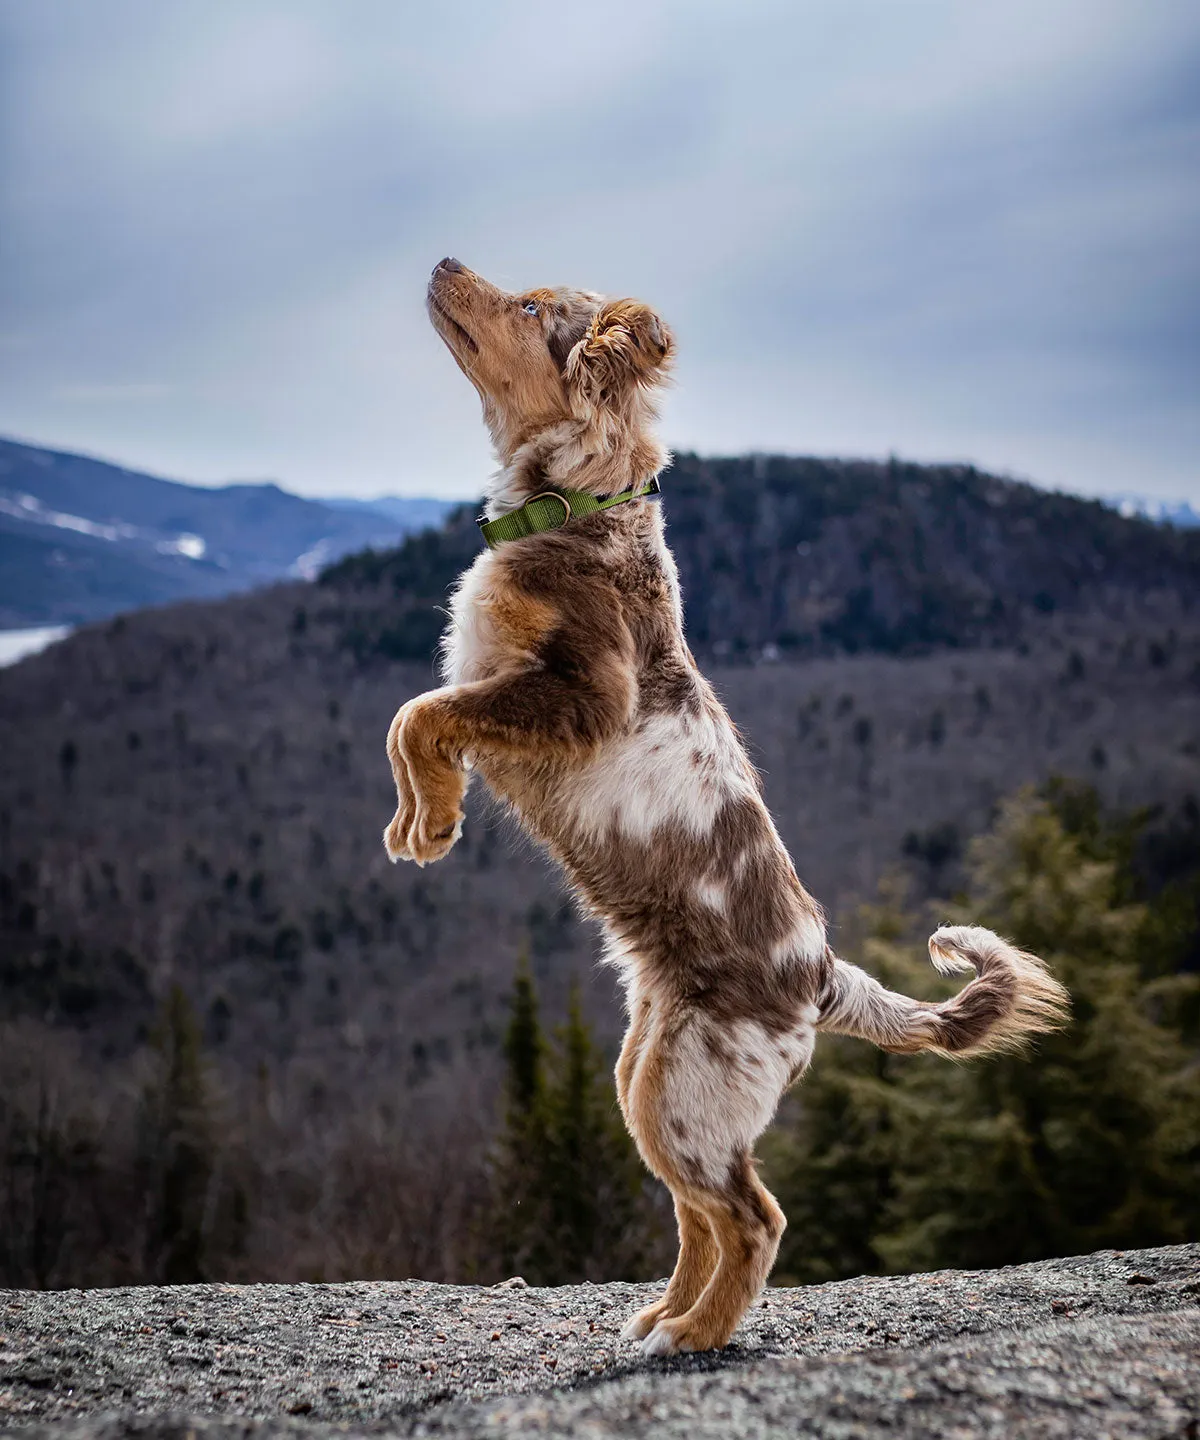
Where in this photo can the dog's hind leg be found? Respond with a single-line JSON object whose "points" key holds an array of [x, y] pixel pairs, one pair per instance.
{"points": [[698, 1092], [698, 1257], [697, 1249], [747, 1223]]}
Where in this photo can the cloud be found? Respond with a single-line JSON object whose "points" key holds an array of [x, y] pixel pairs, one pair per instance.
{"points": [[946, 230], [105, 393]]}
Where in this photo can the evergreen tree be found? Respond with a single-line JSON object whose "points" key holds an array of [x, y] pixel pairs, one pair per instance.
{"points": [[830, 1159], [1090, 1140], [577, 1144], [594, 1178], [524, 1052], [569, 1194], [520, 1214], [178, 1148], [50, 1164]]}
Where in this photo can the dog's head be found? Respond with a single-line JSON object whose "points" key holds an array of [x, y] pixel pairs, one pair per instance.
{"points": [[540, 358]]}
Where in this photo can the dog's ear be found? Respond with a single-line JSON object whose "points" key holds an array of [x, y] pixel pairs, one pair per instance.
{"points": [[625, 346]]}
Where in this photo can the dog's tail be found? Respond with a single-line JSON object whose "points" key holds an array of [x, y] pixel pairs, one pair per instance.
{"points": [[1012, 997]]}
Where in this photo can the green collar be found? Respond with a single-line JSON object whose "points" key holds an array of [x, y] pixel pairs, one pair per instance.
{"points": [[552, 509]]}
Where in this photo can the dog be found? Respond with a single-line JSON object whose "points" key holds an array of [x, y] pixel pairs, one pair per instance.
{"points": [[570, 687]]}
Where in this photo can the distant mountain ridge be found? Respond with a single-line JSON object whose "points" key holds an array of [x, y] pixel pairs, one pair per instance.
{"points": [[1165, 512], [82, 539], [792, 557], [412, 511]]}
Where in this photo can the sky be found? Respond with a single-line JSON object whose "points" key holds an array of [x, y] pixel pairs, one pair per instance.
{"points": [[934, 228]]}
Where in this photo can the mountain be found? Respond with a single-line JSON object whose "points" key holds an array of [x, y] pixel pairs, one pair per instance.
{"points": [[790, 558], [412, 513], [1166, 512], [196, 794], [81, 539]]}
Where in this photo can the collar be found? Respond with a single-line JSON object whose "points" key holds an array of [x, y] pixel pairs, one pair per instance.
{"points": [[552, 509]]}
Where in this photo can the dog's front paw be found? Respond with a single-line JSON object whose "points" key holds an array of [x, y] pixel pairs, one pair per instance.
{"points": [[430, 784], [433, 833], [395, 837], [437, 818]]}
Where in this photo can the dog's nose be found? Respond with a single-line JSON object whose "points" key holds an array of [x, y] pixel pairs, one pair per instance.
{"points": [[449, 263]]}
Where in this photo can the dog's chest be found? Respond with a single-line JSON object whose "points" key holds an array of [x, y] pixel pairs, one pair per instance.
{"points": [[494, 624], [470, 640]]}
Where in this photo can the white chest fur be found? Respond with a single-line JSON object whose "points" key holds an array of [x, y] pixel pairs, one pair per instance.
{"points": [[469, 641]]}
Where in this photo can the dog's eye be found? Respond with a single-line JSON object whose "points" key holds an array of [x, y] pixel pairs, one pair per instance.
{"points": [[530, 307]]}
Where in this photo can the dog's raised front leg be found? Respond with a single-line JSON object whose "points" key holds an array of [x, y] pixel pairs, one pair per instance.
{"points": [[530, 715]]}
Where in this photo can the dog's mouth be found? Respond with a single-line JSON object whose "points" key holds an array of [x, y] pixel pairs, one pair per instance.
{"points": [[446, 322]]}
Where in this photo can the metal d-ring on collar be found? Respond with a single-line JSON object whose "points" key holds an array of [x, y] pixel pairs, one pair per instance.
{"points": [[535, 516], [553, 495]]}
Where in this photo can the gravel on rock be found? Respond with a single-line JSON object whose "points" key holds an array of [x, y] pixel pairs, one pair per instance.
{"points": [[1106, 1344]]}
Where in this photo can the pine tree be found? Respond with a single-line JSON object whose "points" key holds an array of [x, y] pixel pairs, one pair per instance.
{"points": [[830, 1159], [1089, 1140], [178, 1148], [569, 1192], [594, 1181], [577, 1142], [520, 1213], [524, 1052]]}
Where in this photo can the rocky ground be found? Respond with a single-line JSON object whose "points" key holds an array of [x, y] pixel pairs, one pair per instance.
{"points": [[1102, 1345]]}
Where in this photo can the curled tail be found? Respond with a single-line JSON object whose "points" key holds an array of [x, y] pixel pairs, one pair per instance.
{"points": [[1012, 997]]}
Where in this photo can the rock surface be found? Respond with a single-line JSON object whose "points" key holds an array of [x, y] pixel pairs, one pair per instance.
{"points": [[1107, 1344]]}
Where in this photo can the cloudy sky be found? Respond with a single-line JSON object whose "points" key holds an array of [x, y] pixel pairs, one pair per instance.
{"points": [[940, 228]]}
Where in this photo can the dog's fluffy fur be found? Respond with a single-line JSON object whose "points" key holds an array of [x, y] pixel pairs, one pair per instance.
{"points": [[569, 686]]}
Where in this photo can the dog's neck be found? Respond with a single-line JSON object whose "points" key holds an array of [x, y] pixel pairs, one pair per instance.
{"points": [[572, 455]]}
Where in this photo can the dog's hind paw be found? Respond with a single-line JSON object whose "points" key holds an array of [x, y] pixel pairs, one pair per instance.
{"points": [[665, 1339], [696, 1330], [638, 1326]]}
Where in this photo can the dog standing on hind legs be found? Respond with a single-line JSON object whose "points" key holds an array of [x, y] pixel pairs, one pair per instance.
{"points": [[569, 686]]}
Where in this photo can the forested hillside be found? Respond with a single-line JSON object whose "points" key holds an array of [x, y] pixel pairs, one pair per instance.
{"points": [[791, 558], [197, 793], [192, 799]]}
